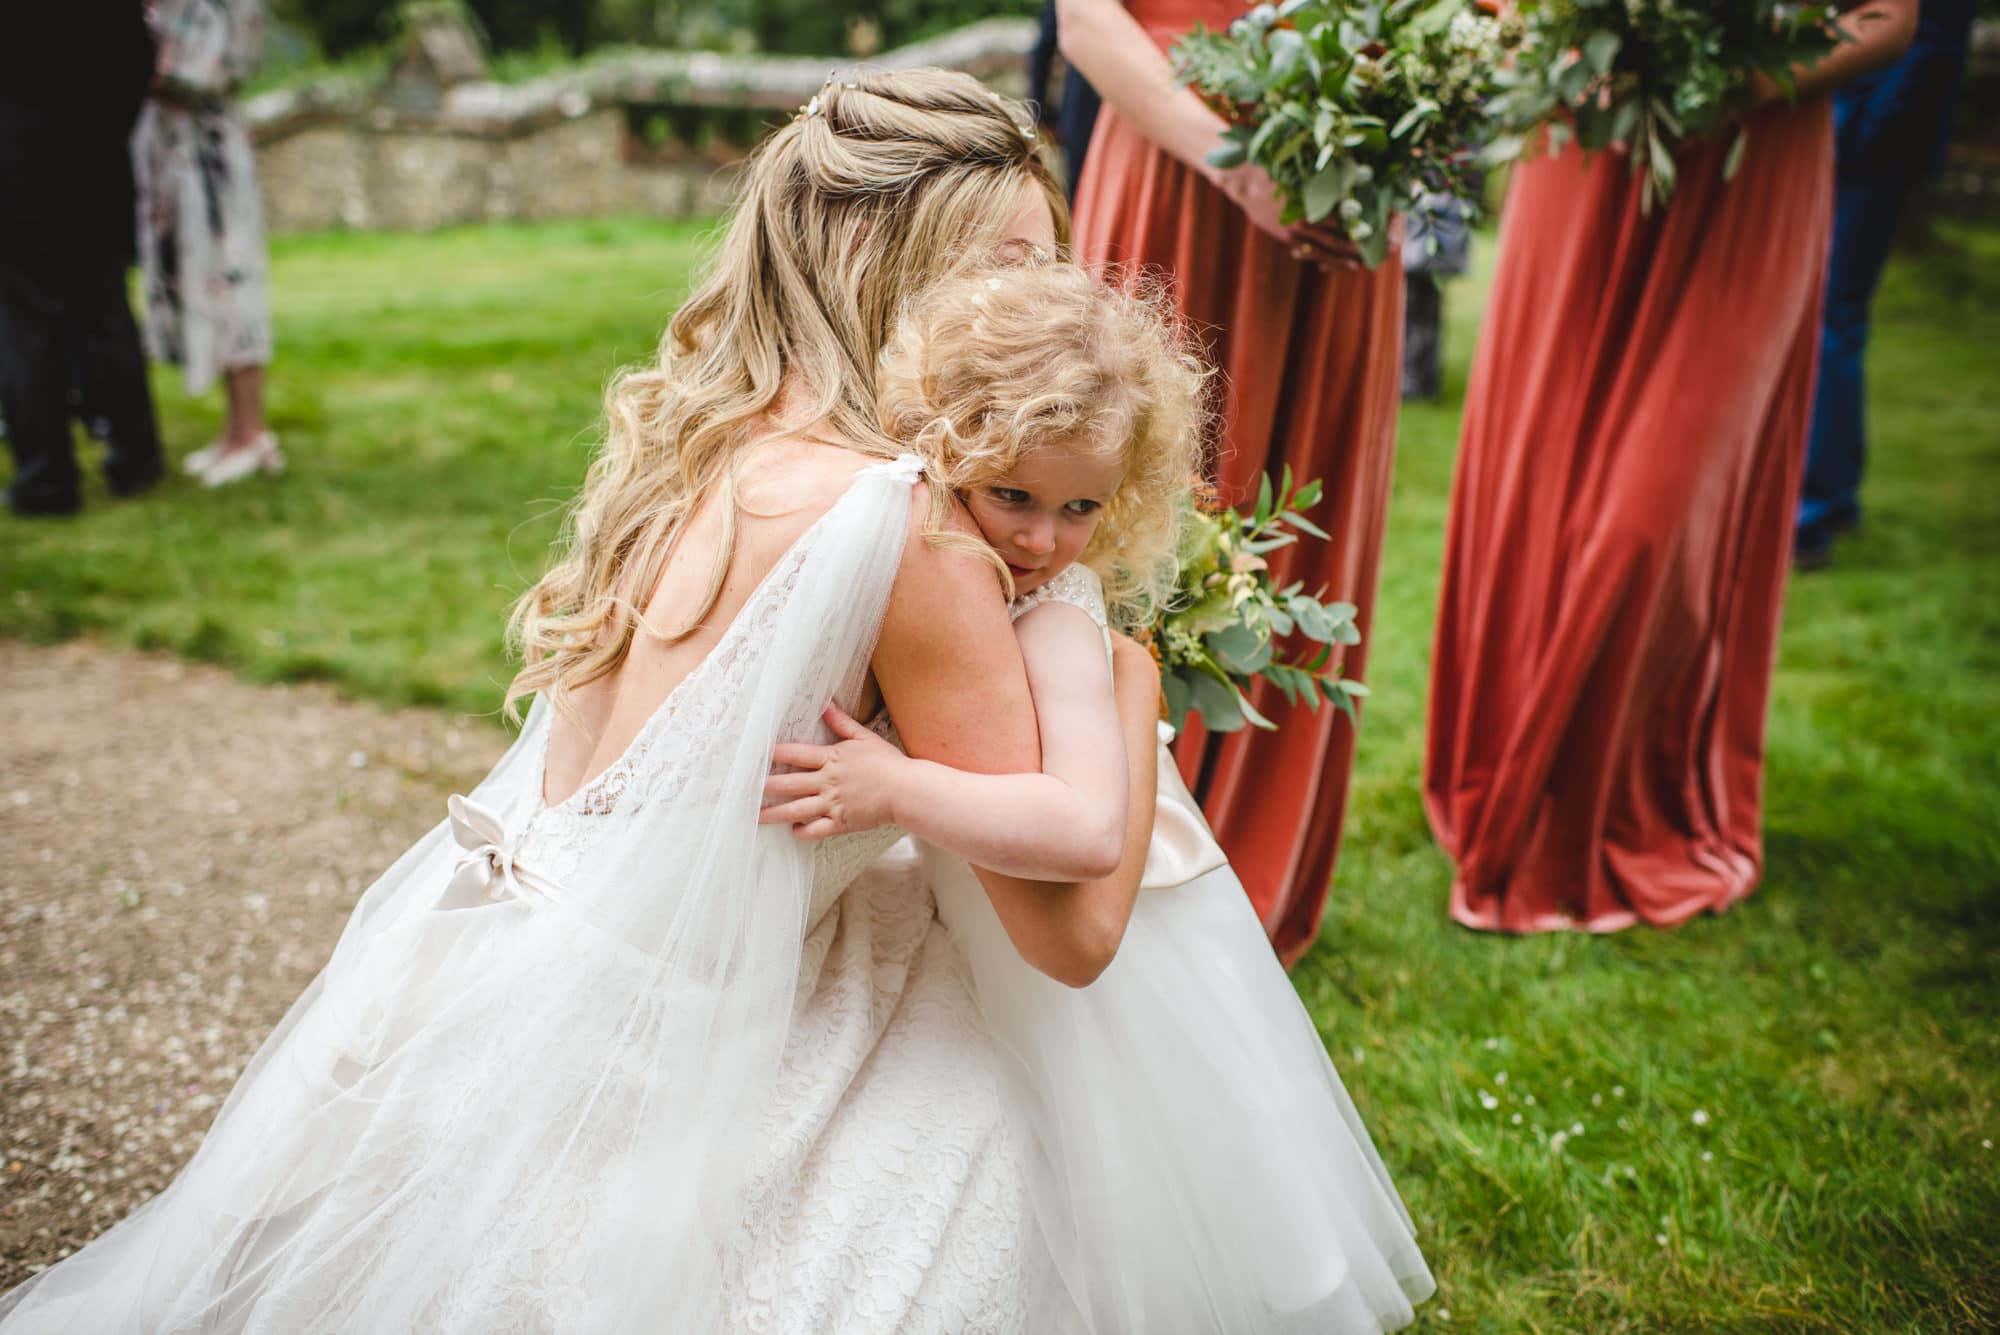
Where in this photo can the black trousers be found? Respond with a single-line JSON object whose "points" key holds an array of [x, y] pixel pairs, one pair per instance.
{"points": [[64, 311], [1423, 336]]}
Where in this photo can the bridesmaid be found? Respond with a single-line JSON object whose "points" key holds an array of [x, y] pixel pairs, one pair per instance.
{"points": [[1310, 347], [1621, 523]]}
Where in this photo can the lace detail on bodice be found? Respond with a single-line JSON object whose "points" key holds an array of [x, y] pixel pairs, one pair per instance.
{"points": [[666, 751], [837, 861], [1078, 586]]}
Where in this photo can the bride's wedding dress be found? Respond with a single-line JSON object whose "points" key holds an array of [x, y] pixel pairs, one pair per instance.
{"points": [[627, 1062]]}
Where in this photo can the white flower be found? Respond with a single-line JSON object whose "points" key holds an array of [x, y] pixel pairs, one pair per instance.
{"points": [[1660, 1238], [1487, 1101], [1618, 1091], [1708, 1156], [1515, 1119], [1557, 1141], [1492, 1044], [1500, 1079], [1576, 1128], [1700, 1117], [1597, 1100]]}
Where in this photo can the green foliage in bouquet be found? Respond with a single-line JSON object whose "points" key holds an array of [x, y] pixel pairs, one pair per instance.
{"points": [[1650, 74], [1220, 632], [1356, 108]]}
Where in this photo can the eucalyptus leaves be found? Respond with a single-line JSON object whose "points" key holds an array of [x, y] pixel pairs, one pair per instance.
{"points": [[1356, 108], [1651, 74], [1221, 630], [1359, 108]]}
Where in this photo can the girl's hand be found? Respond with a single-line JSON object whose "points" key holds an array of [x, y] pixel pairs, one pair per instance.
{"points": [[838, 789]]}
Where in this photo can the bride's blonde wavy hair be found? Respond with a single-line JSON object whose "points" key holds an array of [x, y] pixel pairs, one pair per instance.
{"points": [[887, 182], [990, 367]]}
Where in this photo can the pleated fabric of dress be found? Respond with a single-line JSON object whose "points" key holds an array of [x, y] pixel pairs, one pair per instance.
{"points": [[1620, 534], [1311, 367]]}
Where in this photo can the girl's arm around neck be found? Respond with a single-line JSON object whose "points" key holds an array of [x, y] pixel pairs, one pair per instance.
{"points": [[950, 670], [1064, 823]]}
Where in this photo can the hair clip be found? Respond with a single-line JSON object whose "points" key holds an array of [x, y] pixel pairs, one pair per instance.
{"points": [[811, 108]]}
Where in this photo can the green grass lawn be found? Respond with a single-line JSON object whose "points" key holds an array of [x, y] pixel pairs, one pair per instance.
{"points": [[1786, 1113]]}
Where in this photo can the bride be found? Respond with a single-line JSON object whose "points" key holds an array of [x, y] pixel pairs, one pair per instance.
{"points": [[596, 1048], [601, 1054]]}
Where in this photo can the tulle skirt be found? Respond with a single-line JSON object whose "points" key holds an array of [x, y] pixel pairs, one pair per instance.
{"points": [[1201, 1169]]}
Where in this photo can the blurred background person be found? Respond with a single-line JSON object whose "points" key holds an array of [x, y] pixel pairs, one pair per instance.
{"points": [[201, 225], [1620, 526], [1310, 347], [72, 77], [1436, 246], [1073, 116], [1892, 130]]}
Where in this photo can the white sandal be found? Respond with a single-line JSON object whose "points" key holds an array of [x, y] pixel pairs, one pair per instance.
{"points": [[194, 465], [259, 456]]}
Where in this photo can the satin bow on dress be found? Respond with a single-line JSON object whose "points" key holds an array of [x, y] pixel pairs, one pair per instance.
{"points": [[1183, 847], [491, 868]]}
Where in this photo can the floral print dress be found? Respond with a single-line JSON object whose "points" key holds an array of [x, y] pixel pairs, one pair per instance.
{"points": [[201, 222]]}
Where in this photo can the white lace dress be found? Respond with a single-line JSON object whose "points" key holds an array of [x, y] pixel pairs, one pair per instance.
{"points": [[628, 1063]]}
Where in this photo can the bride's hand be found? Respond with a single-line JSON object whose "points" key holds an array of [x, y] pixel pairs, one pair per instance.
{"points": [[838, 789]]}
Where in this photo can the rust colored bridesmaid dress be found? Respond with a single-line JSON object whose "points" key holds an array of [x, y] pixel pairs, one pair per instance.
{"points": [[1620, 533], [1310, 361]]}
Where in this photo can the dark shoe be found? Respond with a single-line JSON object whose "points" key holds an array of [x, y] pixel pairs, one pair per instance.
{"points": [[43, 507], [122, 485], [1812, 551], [1841, 526]]}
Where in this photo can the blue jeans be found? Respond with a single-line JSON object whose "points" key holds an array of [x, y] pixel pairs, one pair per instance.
{"points": [[1890, 131], [1864, 225]]}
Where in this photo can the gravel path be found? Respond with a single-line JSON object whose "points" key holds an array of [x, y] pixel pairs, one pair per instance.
{"points": [[178, 852]]}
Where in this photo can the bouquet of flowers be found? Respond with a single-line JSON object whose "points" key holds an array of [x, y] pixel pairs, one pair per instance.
{"points": [[1221, 629], [1650, 74], [1356, 108]]}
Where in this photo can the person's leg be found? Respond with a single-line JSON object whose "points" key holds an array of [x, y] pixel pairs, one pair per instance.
{"points": [[133, 459], [1864, 227], [246, 446], [1423, 317], [245, 386], [34, 372]]}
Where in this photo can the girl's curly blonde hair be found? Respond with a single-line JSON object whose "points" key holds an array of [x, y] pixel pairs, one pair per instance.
{"points": [[990, 366], [886, 184]]}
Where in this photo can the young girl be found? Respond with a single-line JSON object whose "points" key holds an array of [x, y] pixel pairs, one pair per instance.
{"points": [[1202, 1168]]}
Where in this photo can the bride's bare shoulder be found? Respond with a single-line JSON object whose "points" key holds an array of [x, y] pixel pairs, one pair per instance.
{"points": [[791, 475]]}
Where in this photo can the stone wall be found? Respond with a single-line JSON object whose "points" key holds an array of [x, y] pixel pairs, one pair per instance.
{"points": [[660, 132], [570, 145]]}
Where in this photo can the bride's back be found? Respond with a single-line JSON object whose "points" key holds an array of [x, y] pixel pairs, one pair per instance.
{"points": [[782, 489]]}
